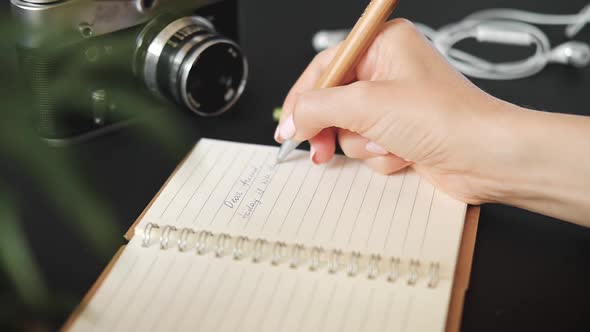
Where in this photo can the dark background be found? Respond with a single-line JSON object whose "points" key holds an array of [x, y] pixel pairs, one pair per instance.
{"points": [[530, 272]]}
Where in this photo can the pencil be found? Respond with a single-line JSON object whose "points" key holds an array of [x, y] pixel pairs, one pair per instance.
{"points": [[349, 53]]}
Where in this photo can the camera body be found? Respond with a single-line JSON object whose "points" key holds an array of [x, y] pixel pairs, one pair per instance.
{"points": [[92, 66]]}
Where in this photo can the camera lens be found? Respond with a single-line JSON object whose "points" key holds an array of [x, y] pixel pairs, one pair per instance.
{"points": [[187, 61]]}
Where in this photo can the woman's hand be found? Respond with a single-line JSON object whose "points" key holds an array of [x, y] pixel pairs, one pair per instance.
{"points": [[403, 105]]}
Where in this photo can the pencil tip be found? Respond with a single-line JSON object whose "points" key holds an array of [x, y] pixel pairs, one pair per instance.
{"points": [[286, 148]]}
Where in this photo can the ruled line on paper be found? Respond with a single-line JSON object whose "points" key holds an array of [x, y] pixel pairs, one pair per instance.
{"points": [[311, 201], [240, 321], [231, 188], [386, 315], [390, 224], [427, 222], [277, 198], [312, 296], [130, 299], [203, 315], [211, 296], [171, 296], [186, 180], [294, 199], [411, 216], [376, 212], [317, 226], [269, 302], [231, 301], [368, 307], [215, 187], [249, 186], [347, 308], [260, 199], [216, 288], [328, 306], [154, 291], [288, 306], [409, 308], [117, 288], [198, 285], [358, 212], [199, 185], [345, 200]]}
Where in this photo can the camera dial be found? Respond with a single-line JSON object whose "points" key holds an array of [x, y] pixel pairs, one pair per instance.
{"points": [[187, 61]]}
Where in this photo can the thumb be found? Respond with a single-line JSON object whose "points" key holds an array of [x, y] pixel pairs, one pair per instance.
{"points": [[347, 107]]}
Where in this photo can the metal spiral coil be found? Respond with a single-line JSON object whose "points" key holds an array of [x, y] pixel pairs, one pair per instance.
{"points": [[293, 255], [165, 236], [183, 239], [434, 277], [239, 247]]}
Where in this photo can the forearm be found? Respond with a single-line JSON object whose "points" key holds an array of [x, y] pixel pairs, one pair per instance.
{"points": [[544, 163]]}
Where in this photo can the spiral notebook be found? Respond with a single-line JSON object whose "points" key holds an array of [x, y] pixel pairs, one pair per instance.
{"points": [[236, 242]]}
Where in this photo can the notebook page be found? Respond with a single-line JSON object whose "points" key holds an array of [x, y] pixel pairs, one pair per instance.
{"points": [[164, 290], [237, 188]]}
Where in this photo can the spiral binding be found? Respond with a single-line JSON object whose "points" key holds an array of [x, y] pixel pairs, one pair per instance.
{"points": [[295, 256]]}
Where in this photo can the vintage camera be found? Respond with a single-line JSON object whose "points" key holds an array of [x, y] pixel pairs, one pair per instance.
{"points": [[87, 61]]}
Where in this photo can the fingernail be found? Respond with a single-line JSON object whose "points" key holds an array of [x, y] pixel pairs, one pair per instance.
{"points": [[375, 148], [312, 153], [287, 128], [277, 135]]}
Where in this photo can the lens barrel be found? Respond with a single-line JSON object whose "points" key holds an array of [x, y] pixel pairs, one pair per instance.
{"points": [[187, 61]]}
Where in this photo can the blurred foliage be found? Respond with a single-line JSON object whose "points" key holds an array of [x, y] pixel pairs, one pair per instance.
{"points": [[56, 176], [16, 256]]}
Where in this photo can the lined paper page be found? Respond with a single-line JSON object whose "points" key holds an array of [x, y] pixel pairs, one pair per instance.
{"points": [[163, 290], [237, 188]]}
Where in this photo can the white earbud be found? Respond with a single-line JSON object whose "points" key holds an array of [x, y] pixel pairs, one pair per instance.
{"points": [[572, 53]]}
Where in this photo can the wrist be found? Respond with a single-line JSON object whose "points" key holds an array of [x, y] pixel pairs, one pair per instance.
{"points": [[498, 151], [537, 162]]}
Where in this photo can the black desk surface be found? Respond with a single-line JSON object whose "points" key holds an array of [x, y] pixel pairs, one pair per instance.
{"points": [[530, 272]]}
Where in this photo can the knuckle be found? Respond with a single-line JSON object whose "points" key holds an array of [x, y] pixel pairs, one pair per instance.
{"points": [[400, 28], [325, 55], [320, 56], [403, 25]]}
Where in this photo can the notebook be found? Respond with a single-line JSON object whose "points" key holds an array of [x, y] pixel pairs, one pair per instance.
{"points": [[236, 242]]}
